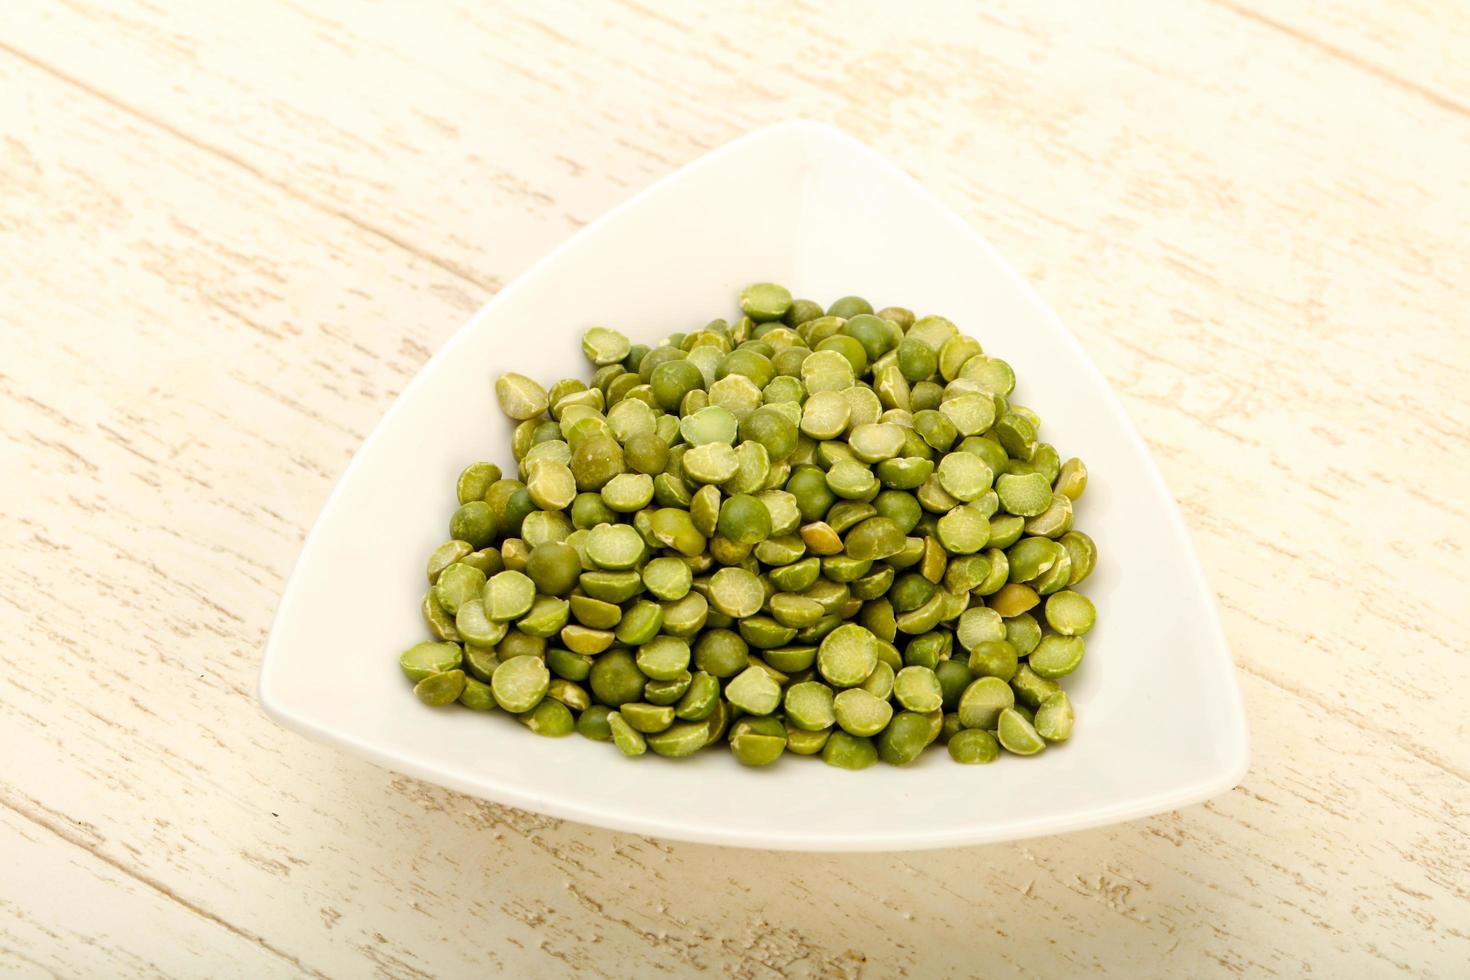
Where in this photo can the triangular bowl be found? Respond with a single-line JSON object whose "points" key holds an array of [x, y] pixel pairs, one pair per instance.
{"points": [[1159, 718]]}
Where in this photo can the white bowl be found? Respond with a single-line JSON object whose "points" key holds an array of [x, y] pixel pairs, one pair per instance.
{"points": [[1159, 718]]}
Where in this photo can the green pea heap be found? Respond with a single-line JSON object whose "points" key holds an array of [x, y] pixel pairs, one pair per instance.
{"points": [[824, 532]]}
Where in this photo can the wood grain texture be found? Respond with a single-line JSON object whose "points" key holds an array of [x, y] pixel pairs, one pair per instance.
{"points": [[227, 241], [1415, 45]]}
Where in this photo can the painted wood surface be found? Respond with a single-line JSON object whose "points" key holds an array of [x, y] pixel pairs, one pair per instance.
{"points": [[229, 235]]}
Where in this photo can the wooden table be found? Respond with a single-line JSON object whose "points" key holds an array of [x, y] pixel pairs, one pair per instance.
{"points": [[230, 234]]}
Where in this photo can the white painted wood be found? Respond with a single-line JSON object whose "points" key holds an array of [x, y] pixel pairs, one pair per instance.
{"points": [[227, 241]]}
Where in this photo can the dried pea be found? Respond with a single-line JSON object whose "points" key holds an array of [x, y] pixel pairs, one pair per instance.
{"points": [[726, 534]]}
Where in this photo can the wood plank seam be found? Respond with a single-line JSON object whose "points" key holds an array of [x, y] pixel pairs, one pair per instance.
{"points": [[59, 830], [490, 285], [1347, 57]]}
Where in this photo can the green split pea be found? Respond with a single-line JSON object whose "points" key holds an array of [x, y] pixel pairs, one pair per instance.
{"points": [[827, 532]]}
